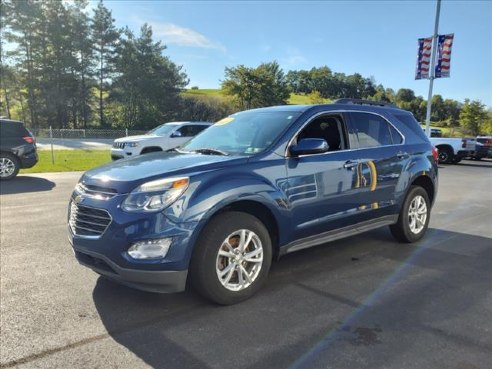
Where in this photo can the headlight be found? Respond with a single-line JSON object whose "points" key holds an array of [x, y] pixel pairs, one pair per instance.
{"points": [[155, 195], [131, 144]]}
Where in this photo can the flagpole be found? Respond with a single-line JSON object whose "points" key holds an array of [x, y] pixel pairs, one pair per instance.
{"points": [[432, 70]]}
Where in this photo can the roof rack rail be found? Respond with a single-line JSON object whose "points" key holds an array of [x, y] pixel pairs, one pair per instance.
{"points": [[364, 102]]}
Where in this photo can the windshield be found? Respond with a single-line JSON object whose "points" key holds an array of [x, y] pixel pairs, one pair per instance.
{"points": [[162, 130], [244, 133]]}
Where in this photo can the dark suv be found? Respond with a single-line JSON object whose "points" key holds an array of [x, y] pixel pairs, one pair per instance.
{"points": [[17, 148], [249, 189]]}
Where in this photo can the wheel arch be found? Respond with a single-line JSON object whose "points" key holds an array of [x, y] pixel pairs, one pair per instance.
{"points": [[426, 183], [148, 149], [252, 207], [260, 211]]}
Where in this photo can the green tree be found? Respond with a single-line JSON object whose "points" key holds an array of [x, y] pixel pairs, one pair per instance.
{"points": [[452, 110], [104, 39], [264, 85], [473, 116], [21, 20], [316, 98], [84, 60], [148, 84]]}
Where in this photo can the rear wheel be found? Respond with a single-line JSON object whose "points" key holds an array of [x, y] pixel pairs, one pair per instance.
{"points": [[445, 155], [231, 259], [9, 166], [414, 217]]}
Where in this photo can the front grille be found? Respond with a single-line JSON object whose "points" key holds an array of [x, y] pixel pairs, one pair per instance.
{"points": [[119, 145], [87, 221], [101, 193]]}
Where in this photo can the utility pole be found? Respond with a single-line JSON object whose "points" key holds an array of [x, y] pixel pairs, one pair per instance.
{"points": [[432, 69]]}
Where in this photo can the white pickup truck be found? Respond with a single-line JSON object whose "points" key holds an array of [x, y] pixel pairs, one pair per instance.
{"points": [[452, 150]]}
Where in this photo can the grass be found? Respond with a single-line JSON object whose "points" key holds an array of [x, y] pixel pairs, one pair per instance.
{"points": [[69, 160], [295, 99], [204, 92]]}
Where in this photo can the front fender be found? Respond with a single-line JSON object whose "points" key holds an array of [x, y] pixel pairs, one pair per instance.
{"points": [[212, 194]]}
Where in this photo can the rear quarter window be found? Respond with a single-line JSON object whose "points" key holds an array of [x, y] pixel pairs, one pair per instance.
{"points": [[411, 123]]}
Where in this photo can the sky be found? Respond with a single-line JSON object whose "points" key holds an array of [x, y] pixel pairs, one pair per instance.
{"points": [[374, 38]]}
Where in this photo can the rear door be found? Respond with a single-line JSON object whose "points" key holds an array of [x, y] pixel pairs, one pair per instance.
{"points": [[382, 156]]}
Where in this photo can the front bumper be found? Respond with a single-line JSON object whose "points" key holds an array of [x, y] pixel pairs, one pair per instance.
{"points": [[120, 154], [151, 281], [107, 253]]}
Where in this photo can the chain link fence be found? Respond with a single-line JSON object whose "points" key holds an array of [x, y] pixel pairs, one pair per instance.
{"points": [[90, 133]]}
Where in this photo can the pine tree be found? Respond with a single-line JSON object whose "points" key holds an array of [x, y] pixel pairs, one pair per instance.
{"points": [[83, 54], [21, 19], [104, 39], [148, 84]]}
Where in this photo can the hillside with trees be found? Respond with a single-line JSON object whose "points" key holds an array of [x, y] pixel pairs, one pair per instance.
{"points": [[67, 67]]}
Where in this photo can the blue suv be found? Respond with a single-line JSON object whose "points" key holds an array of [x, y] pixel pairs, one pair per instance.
{"points": [[254, 186]]}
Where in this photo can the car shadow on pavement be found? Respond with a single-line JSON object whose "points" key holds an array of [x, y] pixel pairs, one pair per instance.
{"points": [[335, 294], [25, 184], [484, 164]]}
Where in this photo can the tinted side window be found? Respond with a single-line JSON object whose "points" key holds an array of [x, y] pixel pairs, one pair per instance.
{"points": [[328, 127], [395, 135], [372, 130], [196, 129], [410, 122], [186, 131]]}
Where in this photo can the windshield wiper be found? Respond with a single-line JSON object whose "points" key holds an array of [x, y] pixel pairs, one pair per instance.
{"points": [[210, 151]]}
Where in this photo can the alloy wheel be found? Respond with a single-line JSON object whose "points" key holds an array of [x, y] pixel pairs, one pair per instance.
{"points": [[417, 214], [7, 167], [239, 260]]}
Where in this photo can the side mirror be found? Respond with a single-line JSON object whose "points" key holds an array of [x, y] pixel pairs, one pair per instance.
{"points": [[308, 146], [177, 134]]}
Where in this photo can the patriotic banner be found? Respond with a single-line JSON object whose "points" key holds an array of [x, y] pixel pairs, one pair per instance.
{"points": [[424, 57], [443, 62]]}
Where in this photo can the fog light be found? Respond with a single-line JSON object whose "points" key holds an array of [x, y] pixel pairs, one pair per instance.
{"points": [[150, 249]]}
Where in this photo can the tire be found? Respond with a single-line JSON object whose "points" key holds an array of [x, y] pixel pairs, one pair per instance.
{"points": [[9, 166], [403, 230], [223, 233], [445, 155]]}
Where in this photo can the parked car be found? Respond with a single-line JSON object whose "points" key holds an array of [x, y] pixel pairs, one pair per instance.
{"points": [[17, 148], [486, 142], [453, 150], [164, 137], [255, 186]]}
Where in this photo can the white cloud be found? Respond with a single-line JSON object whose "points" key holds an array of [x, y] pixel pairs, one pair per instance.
{"points": [[293, 58], [171, 33]]}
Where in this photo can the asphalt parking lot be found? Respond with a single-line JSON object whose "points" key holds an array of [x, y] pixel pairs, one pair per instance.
{"points": [[362, 302]]}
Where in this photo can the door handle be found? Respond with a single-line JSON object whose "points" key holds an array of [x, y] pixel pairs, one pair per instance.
{"points": [[401, 154], [350, 164]]}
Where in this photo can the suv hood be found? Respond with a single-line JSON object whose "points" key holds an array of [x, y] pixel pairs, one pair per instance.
{"points": [[125, 175], [136, 138]]}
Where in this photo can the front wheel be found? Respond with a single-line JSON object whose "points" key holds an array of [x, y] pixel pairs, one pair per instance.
{"points": [[231, 259], [414, 217]]}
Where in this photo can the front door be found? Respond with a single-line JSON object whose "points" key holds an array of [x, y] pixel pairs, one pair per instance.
{"points": [[322, 188]]}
